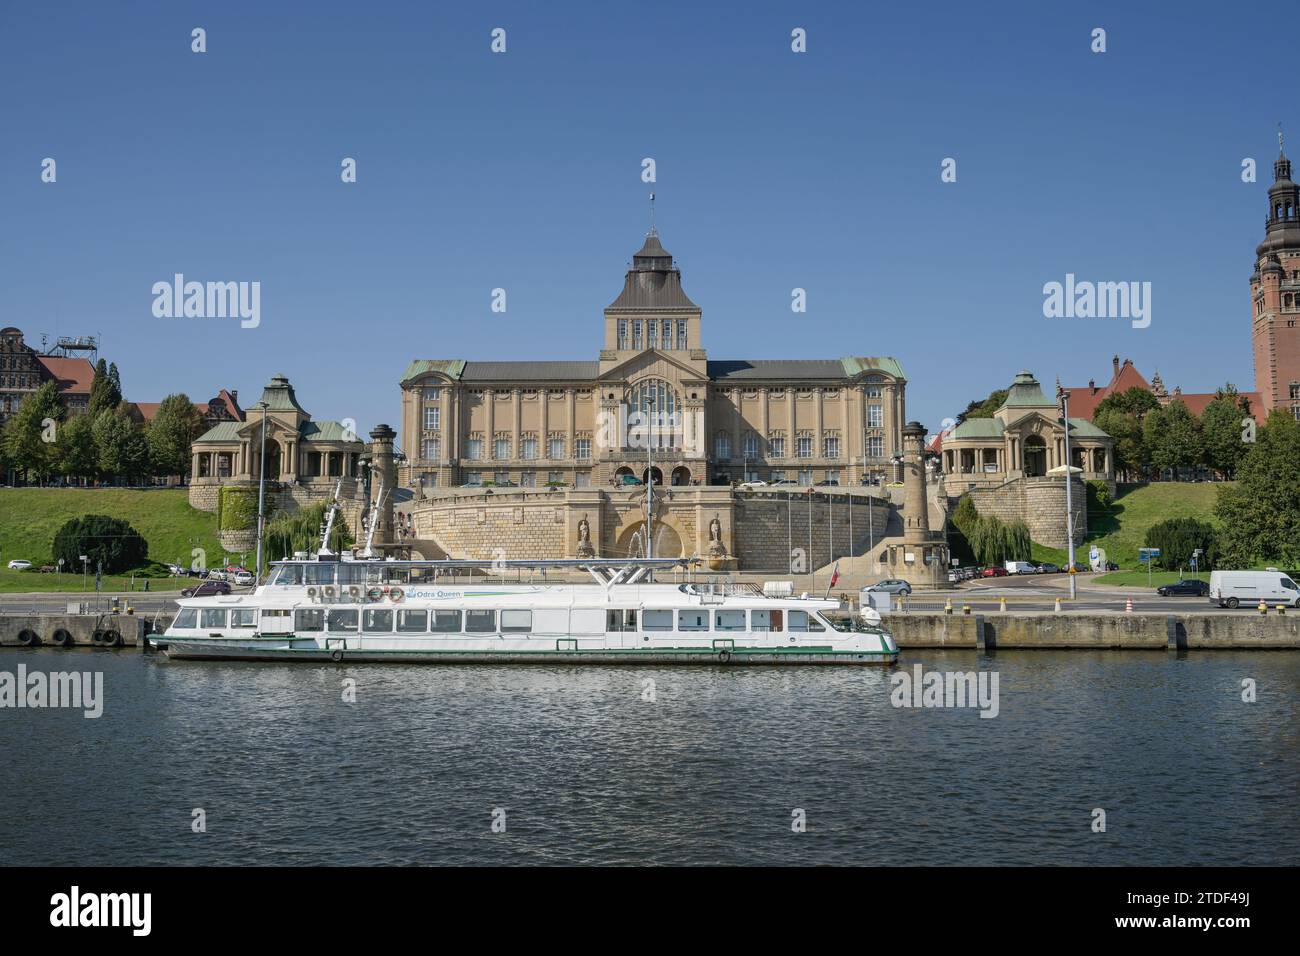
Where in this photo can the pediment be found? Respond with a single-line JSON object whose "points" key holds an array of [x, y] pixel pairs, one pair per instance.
{"points": [[652, 363], [1034, 422]]}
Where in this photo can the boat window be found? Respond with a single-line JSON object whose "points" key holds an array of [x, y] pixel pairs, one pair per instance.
{"points": [[621, 619], [341, 619], [692, 620], [318, 573], [766, 620], [186, 618], [242, 616], [480, 622], [309, 619], [352, 573], [513, 620], [409, 622], [287, 575], [378, 619], [729, 620], [446, 622], [212, 617], [659, 620], [803, 621]]}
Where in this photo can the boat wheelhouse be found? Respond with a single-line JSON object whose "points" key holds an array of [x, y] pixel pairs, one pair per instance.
{"points": [[516, 611]]}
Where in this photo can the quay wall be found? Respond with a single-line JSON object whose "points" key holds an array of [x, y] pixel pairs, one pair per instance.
{"points": [[81, 630], [1203, 631]]}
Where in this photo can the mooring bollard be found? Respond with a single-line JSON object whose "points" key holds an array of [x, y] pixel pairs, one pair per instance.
{"points": [[1002, 604], [1263, 608], [947, 607], [1058, 605], [965, 608], [1281, 609]]}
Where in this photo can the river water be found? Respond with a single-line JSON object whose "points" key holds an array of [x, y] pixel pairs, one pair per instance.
{"points": [[701, 765]]}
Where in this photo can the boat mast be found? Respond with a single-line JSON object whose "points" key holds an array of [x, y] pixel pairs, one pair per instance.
{"points": [[329, 521], [374, 520]]}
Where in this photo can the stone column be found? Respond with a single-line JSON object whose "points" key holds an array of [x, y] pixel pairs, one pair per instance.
{"points": [[916, 513], [385, 475], [490, 443], [544, 432], [516, 419]]}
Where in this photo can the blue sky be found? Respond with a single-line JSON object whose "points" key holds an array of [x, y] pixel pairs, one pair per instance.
{"points": [[522, 171]]}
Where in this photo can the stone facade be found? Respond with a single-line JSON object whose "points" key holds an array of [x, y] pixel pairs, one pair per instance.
{"points": [[1040, 503], [652, 389], [1275, 297]]}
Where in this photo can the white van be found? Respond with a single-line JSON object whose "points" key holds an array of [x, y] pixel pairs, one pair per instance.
{"points": [[1237, 588], [1020, 567]]}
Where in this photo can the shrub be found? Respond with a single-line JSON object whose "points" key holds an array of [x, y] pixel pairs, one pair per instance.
{"points": [[110, 541], [1177, 538], [1099, 499], [301, 531], [238, 509]]}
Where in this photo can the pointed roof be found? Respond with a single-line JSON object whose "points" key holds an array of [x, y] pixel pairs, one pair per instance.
{"points": [[278, 396], [1025, 392], [653, 284]]}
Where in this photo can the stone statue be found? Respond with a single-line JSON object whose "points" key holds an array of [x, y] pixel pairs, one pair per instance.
{"points": [[716, 548], [585, 550]]}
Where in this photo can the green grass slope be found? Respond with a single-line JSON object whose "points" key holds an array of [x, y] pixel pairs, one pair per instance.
{"points": [[1122, 530], [29, 518]]}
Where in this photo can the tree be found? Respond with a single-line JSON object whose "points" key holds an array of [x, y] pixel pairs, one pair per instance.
{"points": [[1259, 517], [105, 392], [1222, 446], [1120, 416], [1179, 538], [78, 457], [301, 531], [1173, 437], [120, 445], [102, 539], [174, 427], [984, 408], [31, 435]]}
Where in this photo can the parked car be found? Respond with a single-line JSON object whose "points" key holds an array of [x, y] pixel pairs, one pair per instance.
{"points": [[994, 572], [1235, 588], [176, 570], [1020, 567], [756, 483], [1048, 568], [785, 481], [1112, 566], [1188, 586], [207, 589], [19, 564], [630, 480], [829, 482], [893, 586], [244, 579], [1080, 567], [233, 569], [216, 574]]}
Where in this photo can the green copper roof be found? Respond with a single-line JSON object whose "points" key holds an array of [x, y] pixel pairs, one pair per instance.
{"points": [[1026, 392], [326, 431], [1086, 429], [975, 428], [222, 431], [855, 364], [279, 397], [453, 368]]}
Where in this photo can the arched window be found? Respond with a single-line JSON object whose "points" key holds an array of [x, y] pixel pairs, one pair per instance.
{"points": [[658, 411]]}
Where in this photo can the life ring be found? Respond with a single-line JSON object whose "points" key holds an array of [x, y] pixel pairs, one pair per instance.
{"points": [[375, 594], [336, 655], [724, 655], [395, 595], [28, 638]]}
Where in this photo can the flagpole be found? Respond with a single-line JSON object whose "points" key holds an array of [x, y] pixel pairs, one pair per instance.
{"points": [[835, 575]]}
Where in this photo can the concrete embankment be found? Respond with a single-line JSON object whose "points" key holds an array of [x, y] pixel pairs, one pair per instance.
{"points": [[1205, 631], [103, 629]]}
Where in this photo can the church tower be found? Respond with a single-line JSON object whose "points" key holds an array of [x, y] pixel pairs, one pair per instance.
{"points": [[1275, 295]]}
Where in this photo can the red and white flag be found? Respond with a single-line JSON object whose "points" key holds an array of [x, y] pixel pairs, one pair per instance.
{"points": [[835, 574]]}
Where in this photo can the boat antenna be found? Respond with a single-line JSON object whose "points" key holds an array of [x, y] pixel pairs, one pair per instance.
{"points": [[330, 514]]}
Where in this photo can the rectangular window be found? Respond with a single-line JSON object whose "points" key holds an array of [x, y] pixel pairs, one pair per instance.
{"points": [[636, 333], [432, 418], [751, 446], [659, 620], [474, 479], [1295, 389], [722, 446], [832, 448], [318, 574], [528, 449], [729, 620], [769, 620], [584, 448], [431, 450], [802, 621], [875, 416], [474, 449], [412, 622], [555, 477], [873, 391], [692, 620], [243, 616], [341, 620], [309, 619], [652, 334], [501, 449], [187, 618], [778, 447], [377, 620], [582, 479], [515, 622], [446, 622], [480, 622], [432, 394], [668, 333], [429, 479], [875, 447], [620, 619], [528, 479], [681, 333], [502, 478], [212, 617], [803, 446], [622, 335], [832, 477], [556, 451]]}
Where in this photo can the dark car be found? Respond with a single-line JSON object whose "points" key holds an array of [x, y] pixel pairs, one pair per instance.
{"points": [[207, 589], [1190, 587], [1048, 568]]}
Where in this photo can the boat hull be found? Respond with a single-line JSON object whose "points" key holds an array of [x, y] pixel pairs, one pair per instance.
{"points": [[239, 651]]}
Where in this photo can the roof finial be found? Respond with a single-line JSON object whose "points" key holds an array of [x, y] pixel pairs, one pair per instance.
{"points": [[653, 231], [1279, 139]]}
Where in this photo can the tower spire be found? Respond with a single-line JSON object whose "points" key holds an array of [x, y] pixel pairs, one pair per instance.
{"points": [[653, 231]]}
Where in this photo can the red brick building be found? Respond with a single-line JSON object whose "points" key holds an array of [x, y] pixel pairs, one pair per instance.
{"points": [[1124, 375], [23, 370], [1275, 296]]}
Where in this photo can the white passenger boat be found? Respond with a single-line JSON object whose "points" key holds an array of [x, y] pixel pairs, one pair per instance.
{"points": [[339, 609]]}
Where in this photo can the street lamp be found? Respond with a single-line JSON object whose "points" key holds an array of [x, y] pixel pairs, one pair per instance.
{"points": [[1067, 470], [261, 494]]}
